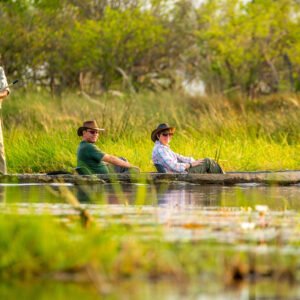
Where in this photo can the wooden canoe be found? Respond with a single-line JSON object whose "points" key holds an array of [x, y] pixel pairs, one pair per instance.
{"points": [[230, 178]]}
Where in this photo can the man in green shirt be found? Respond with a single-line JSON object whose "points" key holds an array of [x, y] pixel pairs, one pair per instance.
{"points": [[90, 159]]}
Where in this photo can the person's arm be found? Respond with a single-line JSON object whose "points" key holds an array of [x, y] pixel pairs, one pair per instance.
{"points": [[184, 159], [196, 163], [165, 158], [117, 161], [4, 94], [4, 90], [190, 161]]}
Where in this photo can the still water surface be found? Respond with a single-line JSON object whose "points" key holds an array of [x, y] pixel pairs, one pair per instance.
{"points": [[179, 194], [141, 290]]}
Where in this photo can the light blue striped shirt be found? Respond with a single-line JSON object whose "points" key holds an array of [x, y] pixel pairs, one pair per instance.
{"points": [[171, 161]]}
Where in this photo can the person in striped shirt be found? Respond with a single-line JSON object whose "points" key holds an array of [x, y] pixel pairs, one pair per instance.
{"points": [[164, 158]]}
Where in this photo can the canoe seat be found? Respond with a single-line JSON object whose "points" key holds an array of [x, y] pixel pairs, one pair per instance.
{"points": [[160, 168]]}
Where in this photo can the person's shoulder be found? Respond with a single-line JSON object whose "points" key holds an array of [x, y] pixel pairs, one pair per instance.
{"points": [[88, 146], [156, 145], [84, 145], [160, 146]]}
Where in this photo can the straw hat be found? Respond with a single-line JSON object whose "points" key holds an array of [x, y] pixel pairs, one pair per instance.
{"points": [[88, 125], [161, 127]]}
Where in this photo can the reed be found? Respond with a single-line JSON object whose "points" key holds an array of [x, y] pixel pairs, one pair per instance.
{"points": [[40, 131]]}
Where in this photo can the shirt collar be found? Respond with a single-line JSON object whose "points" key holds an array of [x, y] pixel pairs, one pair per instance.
{"points": [[157, 143]]}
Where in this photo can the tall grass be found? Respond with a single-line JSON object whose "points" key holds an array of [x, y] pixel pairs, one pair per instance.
{"points": [[40, 131]]}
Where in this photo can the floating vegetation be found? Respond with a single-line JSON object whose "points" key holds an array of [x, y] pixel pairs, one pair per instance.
{"points": [[225, 225]]}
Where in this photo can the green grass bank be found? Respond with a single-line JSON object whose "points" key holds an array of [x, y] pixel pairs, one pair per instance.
{"points": [[40, 131]]}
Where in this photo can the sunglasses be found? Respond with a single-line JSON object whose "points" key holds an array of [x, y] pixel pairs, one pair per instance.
{"points": [[167, 134], [93, 132]]}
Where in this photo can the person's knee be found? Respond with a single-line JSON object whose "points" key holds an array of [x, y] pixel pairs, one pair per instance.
{"points": [[207, 161], [213, 166]]}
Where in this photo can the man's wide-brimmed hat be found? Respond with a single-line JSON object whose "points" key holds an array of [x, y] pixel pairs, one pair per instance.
{"points": [[161, 127], [88, 125]]}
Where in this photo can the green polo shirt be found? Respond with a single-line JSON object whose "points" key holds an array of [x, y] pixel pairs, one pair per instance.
{"points": [[89, 156]]}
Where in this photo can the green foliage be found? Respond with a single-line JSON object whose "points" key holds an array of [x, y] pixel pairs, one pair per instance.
{"points": [[252, 46], [52, 44], [116, 43], [244, 44]]}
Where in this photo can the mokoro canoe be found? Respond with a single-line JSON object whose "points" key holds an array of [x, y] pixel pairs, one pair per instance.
{"points": [[230, 178]]}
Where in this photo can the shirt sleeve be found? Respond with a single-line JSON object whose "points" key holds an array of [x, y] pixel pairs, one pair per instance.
{"points": [[96, 153], [169, 161], [3, 80], [184, 159]]}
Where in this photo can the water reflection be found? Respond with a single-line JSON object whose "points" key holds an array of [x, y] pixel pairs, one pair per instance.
{"points": [[183, 194], [160, 194], [139, 289], [164, 195], [2, 194], [188, 195]]}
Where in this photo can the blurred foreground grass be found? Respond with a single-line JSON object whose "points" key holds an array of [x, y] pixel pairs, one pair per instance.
{"points": [[46, 247], [40, 131]]}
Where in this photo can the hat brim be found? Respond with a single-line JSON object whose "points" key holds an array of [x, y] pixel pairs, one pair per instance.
{"points": [[156, 131], [81, 129]]}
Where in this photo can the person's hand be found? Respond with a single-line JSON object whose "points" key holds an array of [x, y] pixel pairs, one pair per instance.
{"points": [[198, 162], [3, 94]]}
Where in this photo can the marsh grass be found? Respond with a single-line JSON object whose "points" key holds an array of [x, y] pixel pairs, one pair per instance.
{"points": [[40, 131]]}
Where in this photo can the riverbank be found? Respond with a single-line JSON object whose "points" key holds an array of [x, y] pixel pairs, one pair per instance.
{"points": [[262, 134]]}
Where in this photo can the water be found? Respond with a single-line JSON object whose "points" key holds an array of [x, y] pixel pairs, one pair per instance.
{"points": [[233, 215], [136, 290], [179, 194], [247, 216]]}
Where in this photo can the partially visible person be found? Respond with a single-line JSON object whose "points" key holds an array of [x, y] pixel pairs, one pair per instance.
{"points": [[91, 160], [171, 162], [4, 92]]}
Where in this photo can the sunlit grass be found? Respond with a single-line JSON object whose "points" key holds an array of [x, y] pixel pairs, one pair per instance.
{"points": [[40, 132]]}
